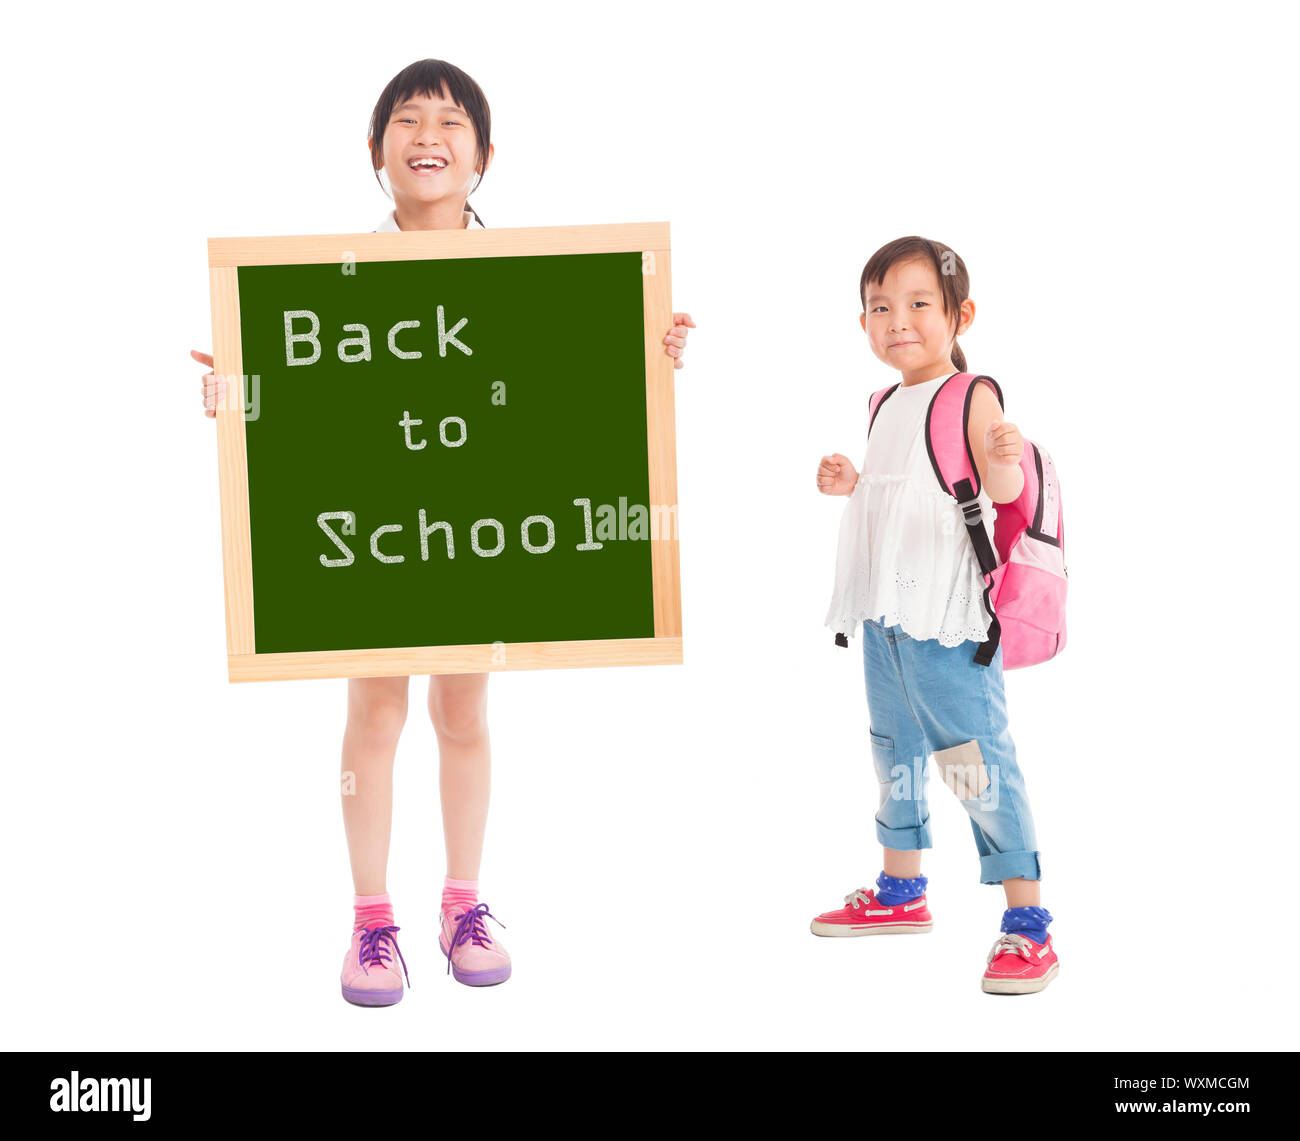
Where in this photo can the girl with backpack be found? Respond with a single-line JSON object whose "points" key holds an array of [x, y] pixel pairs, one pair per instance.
{"points": [[952, 535]]}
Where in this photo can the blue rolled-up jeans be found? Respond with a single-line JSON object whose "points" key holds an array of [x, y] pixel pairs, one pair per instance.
{"points": [[929, 699]]}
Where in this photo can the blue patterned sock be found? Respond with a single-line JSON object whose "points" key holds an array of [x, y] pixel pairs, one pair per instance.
{"points": [[894, 890], [1029, 921]]}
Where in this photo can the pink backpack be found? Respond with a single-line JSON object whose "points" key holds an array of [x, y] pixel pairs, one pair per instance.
{"points": [[1025, 576]]}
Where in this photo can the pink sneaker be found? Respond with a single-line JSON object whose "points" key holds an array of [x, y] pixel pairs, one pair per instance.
{"points": [[1018, 965], [472, 954], [866, 915], [370, 977]]}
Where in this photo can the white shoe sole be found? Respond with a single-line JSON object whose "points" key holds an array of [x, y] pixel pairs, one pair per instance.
{"points": [[1020, 986], [843, 931]]}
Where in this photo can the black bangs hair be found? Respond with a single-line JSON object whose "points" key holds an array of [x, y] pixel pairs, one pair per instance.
{"points": [[954, 281], [430, 78]]}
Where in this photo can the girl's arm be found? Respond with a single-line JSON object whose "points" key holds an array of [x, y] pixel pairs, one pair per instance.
{"points": [[996, 445]]}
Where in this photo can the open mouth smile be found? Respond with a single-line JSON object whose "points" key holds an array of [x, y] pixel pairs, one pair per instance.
{"points": [[427, 165]]}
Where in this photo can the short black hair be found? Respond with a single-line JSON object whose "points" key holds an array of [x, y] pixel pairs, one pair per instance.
{"points": [[430, 78]]}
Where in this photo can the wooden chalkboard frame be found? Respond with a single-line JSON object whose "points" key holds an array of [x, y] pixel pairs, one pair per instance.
{"points": [[226, 255]]}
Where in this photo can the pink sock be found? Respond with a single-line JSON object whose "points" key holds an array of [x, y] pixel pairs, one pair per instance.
{"points": [[458, 895], [372, 911]]}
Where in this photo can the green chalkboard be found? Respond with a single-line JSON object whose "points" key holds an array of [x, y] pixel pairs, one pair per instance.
{"points": [[547, 407]]}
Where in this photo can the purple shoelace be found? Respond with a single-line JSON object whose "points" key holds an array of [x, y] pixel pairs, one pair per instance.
{"points": [[470, 927], [372, 951]]}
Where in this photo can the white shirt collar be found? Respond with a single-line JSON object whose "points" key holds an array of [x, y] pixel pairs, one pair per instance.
{"points": [[389, 224]]}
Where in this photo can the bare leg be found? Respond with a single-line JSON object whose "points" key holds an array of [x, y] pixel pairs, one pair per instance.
{"points": [[907, 865], [902, 865], [1022, 892], [376, 714], [458, 709]]}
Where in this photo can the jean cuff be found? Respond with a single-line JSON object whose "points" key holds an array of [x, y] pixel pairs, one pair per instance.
{"points": [[904, 839], [999, 866]]}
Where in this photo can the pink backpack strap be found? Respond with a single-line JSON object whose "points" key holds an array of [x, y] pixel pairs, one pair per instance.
{"points": [[877, 399], [946, 435], [948, 441]]}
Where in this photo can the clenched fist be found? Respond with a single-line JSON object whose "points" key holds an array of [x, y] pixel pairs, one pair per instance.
{"points": [[1003, 444], [836, 475]]}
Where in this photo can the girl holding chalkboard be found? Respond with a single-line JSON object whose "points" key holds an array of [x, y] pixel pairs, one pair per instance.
{"points": [[909, 573], [430, 133]]}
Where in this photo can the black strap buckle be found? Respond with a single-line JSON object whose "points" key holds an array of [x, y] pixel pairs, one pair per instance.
{"points": [[970, 508]]}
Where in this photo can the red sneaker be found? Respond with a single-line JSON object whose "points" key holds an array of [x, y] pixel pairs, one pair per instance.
{"points": [[1018, 965], [866, 915]]}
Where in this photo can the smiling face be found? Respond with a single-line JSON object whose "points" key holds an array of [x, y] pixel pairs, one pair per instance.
{"points": [[430, 153], [906, 324]]}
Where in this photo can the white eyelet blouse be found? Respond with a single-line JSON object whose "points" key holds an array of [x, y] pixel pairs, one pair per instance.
{"points": [[904, 555]]}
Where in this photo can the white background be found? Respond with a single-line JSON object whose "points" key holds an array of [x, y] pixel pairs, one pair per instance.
{"points": [[1118, 179]]}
